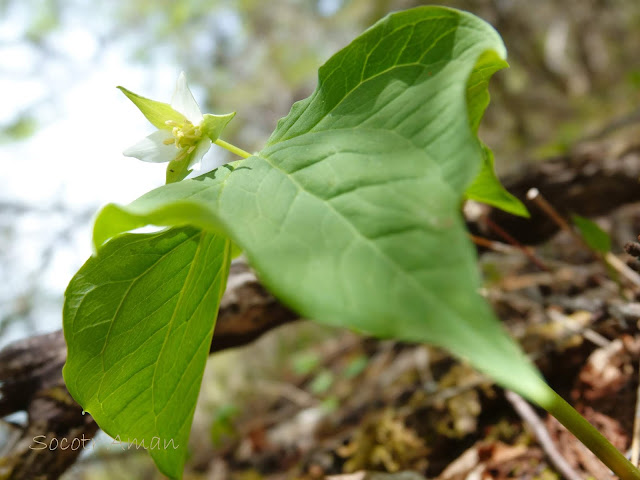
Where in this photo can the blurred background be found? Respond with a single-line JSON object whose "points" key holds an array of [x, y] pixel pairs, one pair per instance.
{"points": [[575, 72]]}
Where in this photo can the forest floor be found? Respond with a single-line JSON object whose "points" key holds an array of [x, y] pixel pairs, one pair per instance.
{"points": [[349, 406]]}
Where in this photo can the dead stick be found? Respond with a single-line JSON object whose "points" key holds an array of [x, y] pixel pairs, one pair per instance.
{"points": [[509, 238], [608, 258], [536, 197], [492, 244], [622, 268]]}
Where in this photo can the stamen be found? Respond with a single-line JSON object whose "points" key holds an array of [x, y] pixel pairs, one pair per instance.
{"points": [[185, 137]]}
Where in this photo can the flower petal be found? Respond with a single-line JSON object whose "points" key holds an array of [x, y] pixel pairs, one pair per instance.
{"points": [[183, 101], [153, 149], [202, 148]]}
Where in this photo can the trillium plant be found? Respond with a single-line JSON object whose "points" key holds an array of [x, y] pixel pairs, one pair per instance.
{"points": [[350, 215]]}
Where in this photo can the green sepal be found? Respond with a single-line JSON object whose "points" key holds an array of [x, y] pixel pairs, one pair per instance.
{"points": [[178, 169], [213, 125], [156, 112]]}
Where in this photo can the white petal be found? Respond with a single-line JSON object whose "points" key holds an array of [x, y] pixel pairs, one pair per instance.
{"points": [[153, 149], [183, 101], [202, 148]]}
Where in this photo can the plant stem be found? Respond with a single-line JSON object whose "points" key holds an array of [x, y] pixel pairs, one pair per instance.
{"points": [[232, 148], [537, 427], [591, 438]]}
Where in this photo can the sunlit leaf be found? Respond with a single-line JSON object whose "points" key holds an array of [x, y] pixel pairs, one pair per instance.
{"points": [[138, 321], [351, 213]]}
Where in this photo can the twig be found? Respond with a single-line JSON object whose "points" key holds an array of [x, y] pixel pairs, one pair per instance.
{"points": [[509, 238], [532, 420], [622, 268], [587, 332], [536, 197], [493, 245], [608, 258]]}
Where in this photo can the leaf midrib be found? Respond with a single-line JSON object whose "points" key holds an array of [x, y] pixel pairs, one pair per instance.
{"points": [[397, 268], [126, 293]]}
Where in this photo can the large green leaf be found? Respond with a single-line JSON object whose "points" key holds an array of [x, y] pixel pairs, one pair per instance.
{"points": [[138, 321], [351, 213]]}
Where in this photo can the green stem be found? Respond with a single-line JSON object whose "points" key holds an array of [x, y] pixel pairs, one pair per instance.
{"points": [[590, 437], [232, 148]]}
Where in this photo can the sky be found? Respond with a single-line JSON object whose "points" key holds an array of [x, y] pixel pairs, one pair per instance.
{"points": [[73, 163]]}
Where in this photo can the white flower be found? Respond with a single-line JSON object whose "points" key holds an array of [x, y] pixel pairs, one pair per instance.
{"points": [[184, 134]]}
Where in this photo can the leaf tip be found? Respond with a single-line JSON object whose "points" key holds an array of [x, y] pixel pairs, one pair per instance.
{"points": [[126, 91]]}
